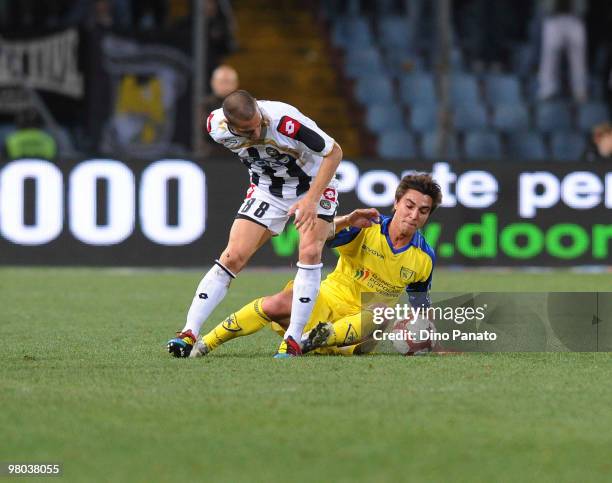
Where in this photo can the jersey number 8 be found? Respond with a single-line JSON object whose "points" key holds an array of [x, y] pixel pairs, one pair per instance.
{"points": [[259, 212]]}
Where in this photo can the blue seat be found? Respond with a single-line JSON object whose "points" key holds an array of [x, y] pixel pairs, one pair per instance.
{"points": [[510, 117], [361, 62], [470, 117], [417, 89], [568, 146], [353, 31], [483, 145], [503, 89], [397, 144], [456, 59], [374, 90], [401, 61], [591, 114], [394, 32], [429, 146], [527, 146], [463, 89], [424, 118], [380, 118], [553, 116]]}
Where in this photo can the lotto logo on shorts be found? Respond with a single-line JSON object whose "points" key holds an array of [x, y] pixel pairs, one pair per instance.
{"points": [[329, 194], [288, 126]]}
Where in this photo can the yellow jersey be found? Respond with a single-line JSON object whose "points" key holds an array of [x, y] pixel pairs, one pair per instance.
{"points": [[369, 263]]}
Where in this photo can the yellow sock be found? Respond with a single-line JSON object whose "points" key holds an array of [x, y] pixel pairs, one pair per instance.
{"points": [[248, 320]]}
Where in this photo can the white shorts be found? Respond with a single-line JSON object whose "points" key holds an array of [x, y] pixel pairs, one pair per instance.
{"points": [[269, 211]]}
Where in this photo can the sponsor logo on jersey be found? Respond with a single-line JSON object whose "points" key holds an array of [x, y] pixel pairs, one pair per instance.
{"points": [[361, 274], [289, 126], [229, 142], [231, 324], [272, 151], [329, 194], [325, 204], [371, 251], [406, 274]]}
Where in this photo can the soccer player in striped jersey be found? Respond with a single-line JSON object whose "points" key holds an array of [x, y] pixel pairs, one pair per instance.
{"points": [[292, 165], [379, 255]]}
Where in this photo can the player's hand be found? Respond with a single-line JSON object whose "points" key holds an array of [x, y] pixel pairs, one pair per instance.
{"points": [[364, 217], [305, 211]]}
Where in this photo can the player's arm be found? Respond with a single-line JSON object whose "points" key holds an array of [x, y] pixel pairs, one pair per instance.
{"points": [[305, 210], [418, 292], [360, 218]]}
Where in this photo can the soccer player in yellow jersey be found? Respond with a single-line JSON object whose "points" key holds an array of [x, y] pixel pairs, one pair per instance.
{"points": [[380, 255]]}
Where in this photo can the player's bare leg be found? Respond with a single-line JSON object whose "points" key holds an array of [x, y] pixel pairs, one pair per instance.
{"points": [[306, 285], [245, 238]]}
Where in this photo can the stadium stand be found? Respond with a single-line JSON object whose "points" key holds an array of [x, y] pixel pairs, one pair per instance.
{"points": [[494, 106], [483, 145], [418, 89], [528, 146], [429, 147], [567, 146], [379, 118], [510, 117], [423, 118], [397, 144]]}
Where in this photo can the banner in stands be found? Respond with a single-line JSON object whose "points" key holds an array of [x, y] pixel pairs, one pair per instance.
{"points": [[53, 64], [49, 63], [127, 93], [177, 212], [145, 110]]}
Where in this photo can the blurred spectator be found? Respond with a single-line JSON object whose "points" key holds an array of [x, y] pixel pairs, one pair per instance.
{"points": [[223, 82], [29, 140], [600, 32], [563, 28], [600, 147], [220, 33], [102, 14], [489, 29]]}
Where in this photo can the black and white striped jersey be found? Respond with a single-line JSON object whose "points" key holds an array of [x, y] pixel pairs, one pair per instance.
{"points": [[287, 157]]}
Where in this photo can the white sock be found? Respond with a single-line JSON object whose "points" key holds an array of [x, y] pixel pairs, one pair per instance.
{"points": [[211, 290], [305, 291]]}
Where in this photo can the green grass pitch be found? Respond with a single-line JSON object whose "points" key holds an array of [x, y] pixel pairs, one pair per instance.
{"points": [[85, 380]]}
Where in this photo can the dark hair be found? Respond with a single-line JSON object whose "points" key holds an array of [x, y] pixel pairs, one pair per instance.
{"points": [[423, 183], [239, 106]]}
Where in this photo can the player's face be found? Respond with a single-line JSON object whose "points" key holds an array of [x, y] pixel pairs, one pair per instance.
{"points": [[250, 129], [412, 211]]}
